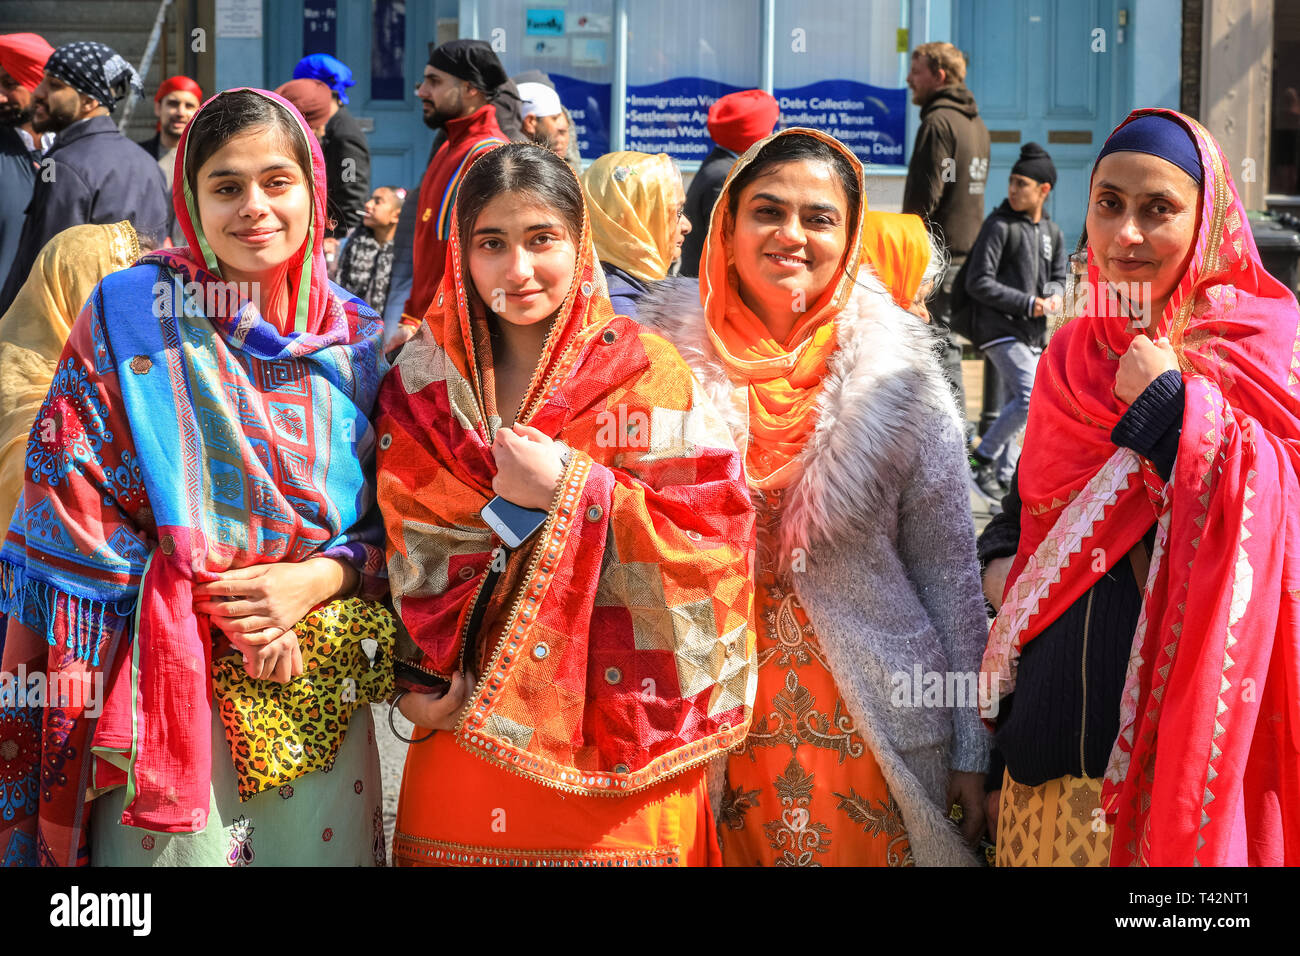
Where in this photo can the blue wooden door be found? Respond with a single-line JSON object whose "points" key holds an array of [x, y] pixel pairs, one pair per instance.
{"points": [[386, 44], [1054, 72]]}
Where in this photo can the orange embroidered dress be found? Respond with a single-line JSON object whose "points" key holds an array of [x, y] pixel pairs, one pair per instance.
{"points": [[615, 655], [804, 790]]}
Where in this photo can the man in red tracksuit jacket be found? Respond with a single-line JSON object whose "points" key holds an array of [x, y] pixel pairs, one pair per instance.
{"points": [[457, 92]]}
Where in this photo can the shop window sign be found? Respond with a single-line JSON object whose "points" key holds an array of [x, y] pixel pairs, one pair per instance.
{"points": [[870, 120], [672, 117], [544, 23], [588, 106], [319, 27]]}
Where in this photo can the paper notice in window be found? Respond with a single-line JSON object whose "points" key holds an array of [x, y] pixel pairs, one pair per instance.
{"points": [[239, 18], [590, 51], [536, 46], [588, 23]]}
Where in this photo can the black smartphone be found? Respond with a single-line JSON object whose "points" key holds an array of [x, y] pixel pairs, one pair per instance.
{"points": [[513, 524]]}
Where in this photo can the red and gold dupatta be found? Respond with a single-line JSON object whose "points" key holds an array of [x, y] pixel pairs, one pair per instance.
{"points": [[616, 648], [1206, 768]]}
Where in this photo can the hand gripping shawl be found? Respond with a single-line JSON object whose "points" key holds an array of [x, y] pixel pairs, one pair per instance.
{"points": [[619, 637], [183, 435], [1205, 769]]}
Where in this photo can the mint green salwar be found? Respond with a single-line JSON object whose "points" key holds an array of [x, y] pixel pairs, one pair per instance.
{"points": [[323, 818]]}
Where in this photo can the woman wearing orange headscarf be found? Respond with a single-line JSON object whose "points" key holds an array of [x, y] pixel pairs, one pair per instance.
{"points": [[903, 254], [867, 582], [636, 203], [610, 624]]}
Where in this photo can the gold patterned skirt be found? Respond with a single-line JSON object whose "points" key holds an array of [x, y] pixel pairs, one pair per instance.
{"points": [[1057, 823]]}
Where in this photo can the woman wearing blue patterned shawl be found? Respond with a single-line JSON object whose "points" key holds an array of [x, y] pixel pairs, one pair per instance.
{"points": [[197, 522]]}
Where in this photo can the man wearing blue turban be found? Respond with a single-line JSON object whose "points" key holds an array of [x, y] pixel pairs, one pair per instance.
{"points": [[347, 154]]}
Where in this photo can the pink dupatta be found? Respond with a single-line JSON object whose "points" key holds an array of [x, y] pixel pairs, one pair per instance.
{"points": [[1206, 767]]}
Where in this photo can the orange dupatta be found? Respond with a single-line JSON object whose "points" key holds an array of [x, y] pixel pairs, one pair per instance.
{"points": [[781, 380], [898, 247]]}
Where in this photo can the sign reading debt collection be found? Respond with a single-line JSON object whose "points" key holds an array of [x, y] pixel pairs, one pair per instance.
{"points": [[672, 116], [870, 120]]}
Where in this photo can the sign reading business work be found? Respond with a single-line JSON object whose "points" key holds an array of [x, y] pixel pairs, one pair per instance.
{"points": [[870, 120], [672, 116]]}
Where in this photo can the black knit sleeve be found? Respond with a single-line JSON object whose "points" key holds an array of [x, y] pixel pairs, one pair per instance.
{"points": [[1154, 422], [1001, 536]]}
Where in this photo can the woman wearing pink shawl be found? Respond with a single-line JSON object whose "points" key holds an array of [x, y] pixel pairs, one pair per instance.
{"points": [[1205, 769]]}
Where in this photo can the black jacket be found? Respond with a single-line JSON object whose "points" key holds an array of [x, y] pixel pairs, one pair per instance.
{"points": [[153, 146], [96, 175], [949, 168], [18, 171], [1064, 715], [347, 184], [1003, 287], [704, 192]]}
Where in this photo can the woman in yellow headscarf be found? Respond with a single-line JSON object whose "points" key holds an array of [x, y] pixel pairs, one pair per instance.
{"points": [[866, 581], [903, 254], [637, 204], [33, 331]]}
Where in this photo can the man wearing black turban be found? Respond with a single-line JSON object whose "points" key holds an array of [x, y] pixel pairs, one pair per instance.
{"points": [[92, 173], [457, 93]]}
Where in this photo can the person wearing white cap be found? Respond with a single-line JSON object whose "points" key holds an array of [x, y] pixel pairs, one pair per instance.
{"points": [[545, 121]]}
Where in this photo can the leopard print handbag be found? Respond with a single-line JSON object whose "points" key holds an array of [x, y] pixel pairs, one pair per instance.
{"points": [[278, 732]]}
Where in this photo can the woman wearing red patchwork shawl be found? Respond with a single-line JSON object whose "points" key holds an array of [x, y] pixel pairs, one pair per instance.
{"points": [[1149, 627], [612, 647], [194, 520]]}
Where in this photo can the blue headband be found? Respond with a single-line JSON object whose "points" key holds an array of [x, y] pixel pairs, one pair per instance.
{"points": [[333, 73], [1160, 136]]}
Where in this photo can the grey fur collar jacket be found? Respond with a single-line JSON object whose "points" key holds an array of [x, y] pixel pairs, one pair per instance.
{"points": [[890, 579]]}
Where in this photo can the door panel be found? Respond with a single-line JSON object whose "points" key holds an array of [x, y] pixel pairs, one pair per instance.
{"points": [[1071, 65], [1037, 78], [379, 40]]}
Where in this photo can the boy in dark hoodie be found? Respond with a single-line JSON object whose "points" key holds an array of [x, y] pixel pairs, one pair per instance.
{"points": [[1014, 279]]}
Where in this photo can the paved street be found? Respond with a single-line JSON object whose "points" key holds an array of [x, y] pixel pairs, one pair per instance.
{"points": [[392, 755]]}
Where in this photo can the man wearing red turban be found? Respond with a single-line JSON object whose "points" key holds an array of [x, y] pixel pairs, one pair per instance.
{"points": [[22, 65], [736, 122], [23, 56], [177, 99]]}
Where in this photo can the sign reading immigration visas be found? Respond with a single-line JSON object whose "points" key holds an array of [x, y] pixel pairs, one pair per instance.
{"points": [[671, 117]]}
